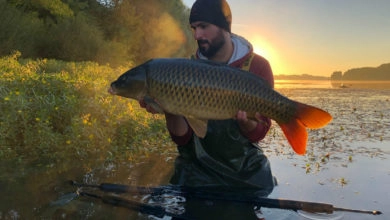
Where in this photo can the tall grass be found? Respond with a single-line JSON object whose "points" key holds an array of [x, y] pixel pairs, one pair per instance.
{"points": [[55, 112]]}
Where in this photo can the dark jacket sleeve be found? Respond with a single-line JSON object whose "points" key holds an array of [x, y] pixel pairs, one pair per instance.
{"points": [[182, 140]]}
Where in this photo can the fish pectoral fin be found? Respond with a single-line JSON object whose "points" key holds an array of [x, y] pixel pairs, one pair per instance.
{"points": [[199, 126]]}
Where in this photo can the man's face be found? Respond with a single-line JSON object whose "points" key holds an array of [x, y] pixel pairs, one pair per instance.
{"points": [[210, 38]]}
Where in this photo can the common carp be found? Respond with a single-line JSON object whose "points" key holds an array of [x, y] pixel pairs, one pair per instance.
{"points": [[203, 90]]}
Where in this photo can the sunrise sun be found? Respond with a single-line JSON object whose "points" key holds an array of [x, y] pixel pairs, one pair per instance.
{"points": [[267, 50]]}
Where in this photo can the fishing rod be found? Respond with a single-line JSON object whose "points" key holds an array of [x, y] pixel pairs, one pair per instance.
{"points": [[143, 208], [211, 194]]}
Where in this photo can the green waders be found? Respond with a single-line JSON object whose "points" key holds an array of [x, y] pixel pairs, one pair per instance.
{"points": [[227, 159], [223, 158]]}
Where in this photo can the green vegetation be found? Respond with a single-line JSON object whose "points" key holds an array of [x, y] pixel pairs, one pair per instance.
{"points": [[52, 111], [104, 31], [53, 93]]}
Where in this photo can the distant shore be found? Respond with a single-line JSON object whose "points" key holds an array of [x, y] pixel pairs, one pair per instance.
{"points": [[377, 74], [330, 84], [300, 77]]}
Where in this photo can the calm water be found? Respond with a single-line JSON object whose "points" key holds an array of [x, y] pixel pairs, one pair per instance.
{"points": [[326, 84], [347, 165], [348, 161]]}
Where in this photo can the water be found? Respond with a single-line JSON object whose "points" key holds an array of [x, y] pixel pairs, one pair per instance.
{"points": [[326, 84], [347, 162], [347, 165]]}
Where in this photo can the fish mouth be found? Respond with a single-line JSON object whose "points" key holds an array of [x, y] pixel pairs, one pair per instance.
{"points": [[112, 91]]}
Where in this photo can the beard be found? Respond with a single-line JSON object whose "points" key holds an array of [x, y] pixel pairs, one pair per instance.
{"points": [[209, 48]]}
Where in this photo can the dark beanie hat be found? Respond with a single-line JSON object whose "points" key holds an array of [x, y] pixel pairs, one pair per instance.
{"points": [[215, 12]]}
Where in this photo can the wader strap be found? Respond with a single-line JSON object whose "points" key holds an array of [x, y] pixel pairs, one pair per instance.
{"points": [[247, 64]]}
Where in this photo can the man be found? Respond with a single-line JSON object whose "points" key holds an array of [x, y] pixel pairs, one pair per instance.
{"points": [[226, 156]]}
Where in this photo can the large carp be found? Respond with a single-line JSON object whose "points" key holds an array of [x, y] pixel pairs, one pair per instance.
{"points": [[202, 90]]}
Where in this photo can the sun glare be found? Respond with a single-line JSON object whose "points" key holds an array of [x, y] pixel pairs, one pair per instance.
{"points": [[261, 51], [262, 48], [266, 50]]}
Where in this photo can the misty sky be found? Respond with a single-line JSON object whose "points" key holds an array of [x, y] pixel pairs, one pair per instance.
{"points": [[315, 37]]}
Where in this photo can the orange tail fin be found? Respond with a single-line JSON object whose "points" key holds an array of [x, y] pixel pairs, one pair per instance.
{"points": [[312, 117], [306, 117]]}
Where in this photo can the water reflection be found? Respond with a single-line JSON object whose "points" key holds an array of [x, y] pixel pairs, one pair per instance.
{"points": [[361, 84], [326, 84]]}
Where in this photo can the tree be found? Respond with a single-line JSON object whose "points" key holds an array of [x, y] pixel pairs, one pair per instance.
{"points": [[337, 76], [19, 31], [114, 31]]}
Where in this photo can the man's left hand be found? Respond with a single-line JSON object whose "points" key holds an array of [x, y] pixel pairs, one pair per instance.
{"points": [[246, 124]]}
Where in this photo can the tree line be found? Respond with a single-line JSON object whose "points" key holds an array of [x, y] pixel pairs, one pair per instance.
{"points": [[105, 31], [381, 72]]}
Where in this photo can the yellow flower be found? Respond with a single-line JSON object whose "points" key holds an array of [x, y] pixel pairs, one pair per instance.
{"points": [[68, 142]]}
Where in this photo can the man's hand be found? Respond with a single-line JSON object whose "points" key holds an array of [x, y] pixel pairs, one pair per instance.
{"points": [[149, 107], [246, 124]]}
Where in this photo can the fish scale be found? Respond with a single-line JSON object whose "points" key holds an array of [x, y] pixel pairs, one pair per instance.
{"points": [[202, 90], [199, 92]]}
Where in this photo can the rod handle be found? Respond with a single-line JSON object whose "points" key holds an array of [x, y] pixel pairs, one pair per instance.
{"points": [[307, 206]]}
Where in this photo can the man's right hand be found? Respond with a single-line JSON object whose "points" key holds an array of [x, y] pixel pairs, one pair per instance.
{"points": [[149, 108]]}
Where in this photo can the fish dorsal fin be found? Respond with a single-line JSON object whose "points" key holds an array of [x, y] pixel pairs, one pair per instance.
{"points": [[199, 126]]}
